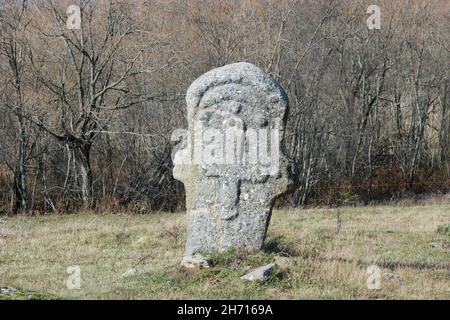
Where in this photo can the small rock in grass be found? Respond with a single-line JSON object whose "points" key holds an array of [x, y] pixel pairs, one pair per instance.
{"points": [[9, 293], [260, 274], [196, 261], [393, 277], [440, 245], [7, 290], [436, 245], [130, 272]]}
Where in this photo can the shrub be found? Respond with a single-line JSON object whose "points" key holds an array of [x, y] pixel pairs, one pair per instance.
{"points": [[444, 229]]}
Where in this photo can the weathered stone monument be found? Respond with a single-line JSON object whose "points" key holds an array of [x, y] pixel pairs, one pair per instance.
{"points": [[231, 159]]}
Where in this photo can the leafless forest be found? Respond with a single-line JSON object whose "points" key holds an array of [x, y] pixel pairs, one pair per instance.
{"points": [[86, 115]]}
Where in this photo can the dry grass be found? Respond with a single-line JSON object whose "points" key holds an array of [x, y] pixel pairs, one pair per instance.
{"points": [[331, 261]]}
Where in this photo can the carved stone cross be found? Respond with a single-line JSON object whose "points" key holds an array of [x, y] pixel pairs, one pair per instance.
{"points": [[232, 160]]}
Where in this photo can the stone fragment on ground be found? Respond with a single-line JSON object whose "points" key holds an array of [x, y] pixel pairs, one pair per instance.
{"points": [[196, 261], [440, 245], [130, 272], [7, 290], [260, 274]]}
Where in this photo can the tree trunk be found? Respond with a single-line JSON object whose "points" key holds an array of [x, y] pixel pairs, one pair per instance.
{"points": [[20, 174], [82, 153], [444, 130], [18, 197]]}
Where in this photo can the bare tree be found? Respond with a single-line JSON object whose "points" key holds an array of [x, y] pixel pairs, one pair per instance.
{"points": [[93, 78], [13, 22]]}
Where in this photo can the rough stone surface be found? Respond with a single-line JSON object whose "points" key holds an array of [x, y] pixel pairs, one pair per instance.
{"points": [[229, 203], [195, 261], [259, 274]]}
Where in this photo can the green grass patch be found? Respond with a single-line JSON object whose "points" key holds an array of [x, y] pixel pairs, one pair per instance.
{"points": [[329, 256], [444, 229]]}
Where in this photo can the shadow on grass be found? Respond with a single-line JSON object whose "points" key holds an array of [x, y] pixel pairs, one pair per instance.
{"points": [[276, 245], [410, 265]]}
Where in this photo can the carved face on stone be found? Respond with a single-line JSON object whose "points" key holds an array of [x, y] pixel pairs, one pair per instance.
{"points": [[232, 165]]}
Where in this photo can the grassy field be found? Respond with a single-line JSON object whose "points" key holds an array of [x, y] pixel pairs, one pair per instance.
{"points": [[329, 249]]}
